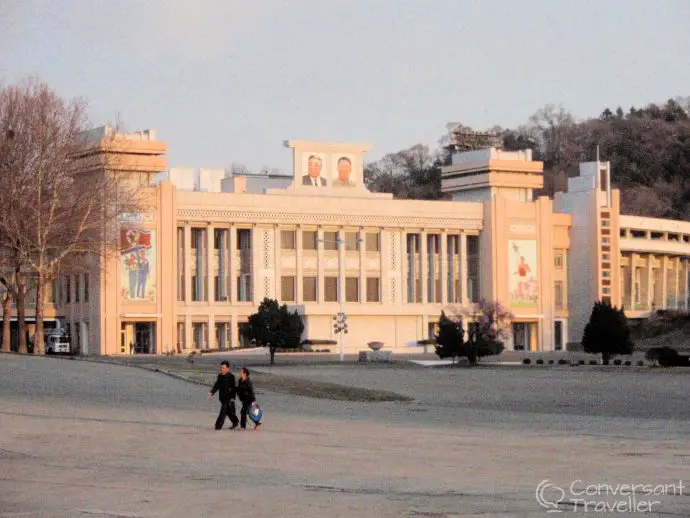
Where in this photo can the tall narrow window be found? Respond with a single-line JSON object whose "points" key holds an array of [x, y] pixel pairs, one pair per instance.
{"points": [[473, 268], [287, 288], [558, 335], [77, 288], [220, 252], [244, 274], [638, 286], [309, 288], [287, 239], [414, 292], [352, 289], [180, 337], [433, 248], [87, 286], [330, 240], [180, 264], [373, 289], [200, 271], [351, 241], [372, 242], [558, 294], [200, 335], [309, 240], [453, 272], [330, 286]]}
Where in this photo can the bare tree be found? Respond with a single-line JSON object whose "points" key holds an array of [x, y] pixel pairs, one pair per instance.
{"points": [[7, 282], [60, 209]]}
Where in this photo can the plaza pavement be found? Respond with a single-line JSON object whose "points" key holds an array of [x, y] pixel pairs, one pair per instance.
{"points": [[81, 438]]}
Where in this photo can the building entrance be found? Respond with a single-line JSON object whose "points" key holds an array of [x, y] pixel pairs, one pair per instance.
{"points": [[525, 336], [138, 338]]}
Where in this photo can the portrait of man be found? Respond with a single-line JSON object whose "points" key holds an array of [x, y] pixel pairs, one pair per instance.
{"points": [[313, 176], [344, 170]]}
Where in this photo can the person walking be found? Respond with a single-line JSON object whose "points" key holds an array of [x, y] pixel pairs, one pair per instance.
{"points": [[245, 393], [225, 386]]}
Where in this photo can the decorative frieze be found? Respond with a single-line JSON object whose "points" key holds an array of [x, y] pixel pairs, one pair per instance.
{"points": [[247, 216]]}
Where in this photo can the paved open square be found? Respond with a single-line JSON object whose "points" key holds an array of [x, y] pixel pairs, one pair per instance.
{"points": [[92, 439]]}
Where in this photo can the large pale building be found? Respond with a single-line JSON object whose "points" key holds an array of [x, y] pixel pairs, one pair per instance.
{"points": [[211, 245]]}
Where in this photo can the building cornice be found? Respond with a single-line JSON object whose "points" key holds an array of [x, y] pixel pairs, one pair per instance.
{"points": [[367, 220]]}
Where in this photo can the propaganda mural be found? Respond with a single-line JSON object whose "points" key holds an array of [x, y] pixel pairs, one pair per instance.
{"points": [[138, 263]]}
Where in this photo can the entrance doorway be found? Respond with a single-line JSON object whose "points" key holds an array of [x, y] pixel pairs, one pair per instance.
{"points": [[138, 337], [525, 336], [520, 336]]}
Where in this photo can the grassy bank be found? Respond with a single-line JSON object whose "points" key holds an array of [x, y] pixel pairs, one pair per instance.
{"points": [[269, 382]]}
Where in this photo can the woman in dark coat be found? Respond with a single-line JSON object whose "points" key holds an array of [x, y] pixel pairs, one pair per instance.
{"points": [[245, 392]]}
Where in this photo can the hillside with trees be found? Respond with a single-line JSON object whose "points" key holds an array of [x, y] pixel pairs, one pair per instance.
{"points": [[649, 151]]}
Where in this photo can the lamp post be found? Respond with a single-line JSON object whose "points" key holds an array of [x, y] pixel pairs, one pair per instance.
{"points": [[340, 320]]}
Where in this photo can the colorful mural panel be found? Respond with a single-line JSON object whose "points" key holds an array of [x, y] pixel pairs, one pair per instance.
{"points": [[522, 274], [137, 263]]}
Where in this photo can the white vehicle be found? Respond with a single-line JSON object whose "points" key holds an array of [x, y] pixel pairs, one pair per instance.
{"points": [[58, 343]]}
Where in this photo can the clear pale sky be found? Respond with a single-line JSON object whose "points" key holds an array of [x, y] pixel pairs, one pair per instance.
{"points": [[226, 81]]}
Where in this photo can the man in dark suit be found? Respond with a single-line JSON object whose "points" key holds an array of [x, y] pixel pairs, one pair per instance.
{"points": [[226, 388], [314, 170]]}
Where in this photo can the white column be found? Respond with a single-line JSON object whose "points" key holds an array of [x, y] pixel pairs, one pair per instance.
{"points": [[232, 332], [385, 266], [320, 245], [405, 267], [664, 281], [341, 284], [632, 281], [212, 332], [463, 269], [256, 259], [341, 266], [650, 280], [424, 267], [210, 252], [363, 266], [187, 262], [677, 272], [278, 247], [299, 278], [443, 256], [685, 280], [188, 336], [232, 260]]}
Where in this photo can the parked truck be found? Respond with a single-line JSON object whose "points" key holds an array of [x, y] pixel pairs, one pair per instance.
{"points": [[57, 342]]}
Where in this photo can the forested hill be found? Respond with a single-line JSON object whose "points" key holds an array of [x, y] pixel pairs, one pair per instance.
{"points": [[649, 150]]}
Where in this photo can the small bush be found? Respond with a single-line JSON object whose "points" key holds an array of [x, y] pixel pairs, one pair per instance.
{"points": [[562, 361], [627, 363], [318, 342], [580, 362], [617, 362], [640, 363], [550, 362], [526, 361], [593, 362], [540, 362], [667, 357]]}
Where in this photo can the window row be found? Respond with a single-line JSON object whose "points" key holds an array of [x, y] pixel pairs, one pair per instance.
{"points": [[222, 255], [432, 260], [288, 292], [310, 240], [69, 288]]}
